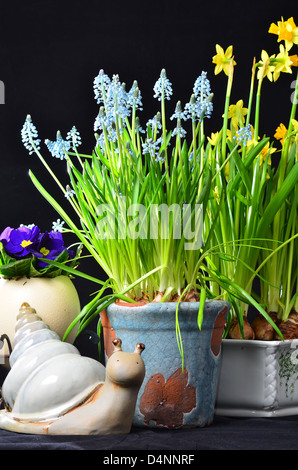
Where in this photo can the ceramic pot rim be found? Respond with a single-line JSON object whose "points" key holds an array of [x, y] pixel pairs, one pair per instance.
{"points": [[259, 343], [165, 315], [122, 303]]}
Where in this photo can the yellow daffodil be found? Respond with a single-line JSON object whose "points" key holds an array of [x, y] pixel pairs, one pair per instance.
{"points": [[272, 66], [283, 63], [295, 128], [213, 138], [252, 140], [216, 194], [222, 59], [236, 114], [294, 60], [286, 31], [280, 133], [265, 69], [264, 153]]}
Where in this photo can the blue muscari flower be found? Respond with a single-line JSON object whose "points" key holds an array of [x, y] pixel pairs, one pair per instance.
{"points": [[112, 134], [100, 140], [200, 105], [155, 123], [190, 111], [59, 147], [190, 158], [138, 127], [163, 87], [30, 226], [198, 110], [201, 87], [151, 146], [116, 103], [102, 121], [134, 97], [58, 225], [179, 130], [30, 136], [74, 136], [100, 86], [140, 130], [160, 158], [243, 135], [98, 123], [69, 192], [205, 108], [178, 114]]}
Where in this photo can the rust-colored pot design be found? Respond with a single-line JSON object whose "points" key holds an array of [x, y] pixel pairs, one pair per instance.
{"points": [[172, 396]]}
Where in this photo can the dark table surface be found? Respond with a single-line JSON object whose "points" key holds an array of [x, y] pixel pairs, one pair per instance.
{"points": [[223, 434]]}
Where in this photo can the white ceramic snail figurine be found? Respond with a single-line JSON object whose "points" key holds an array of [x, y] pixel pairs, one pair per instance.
{"points": [[52, 389]]}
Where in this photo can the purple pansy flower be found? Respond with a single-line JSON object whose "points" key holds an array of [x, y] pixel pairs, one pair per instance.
{"points": [[50, 245], [24, 251], [5, 236], [19, 242]]}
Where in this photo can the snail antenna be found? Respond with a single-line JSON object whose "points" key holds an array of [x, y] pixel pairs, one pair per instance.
{"points": [[117, 344], [139, 348]]}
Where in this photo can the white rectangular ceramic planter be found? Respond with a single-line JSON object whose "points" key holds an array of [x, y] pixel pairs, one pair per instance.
{"points": [[258, 378]]}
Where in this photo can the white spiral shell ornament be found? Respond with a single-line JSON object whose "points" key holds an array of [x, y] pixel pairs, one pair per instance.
{"points": [[52, 389]]}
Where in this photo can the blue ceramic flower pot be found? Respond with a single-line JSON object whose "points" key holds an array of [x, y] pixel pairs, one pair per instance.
{"points": [[171, 397]]}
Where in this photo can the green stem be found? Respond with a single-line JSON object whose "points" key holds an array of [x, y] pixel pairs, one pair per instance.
{"points": [[164, 136], [202, 153], [225, 162], [257, 112], [133, 127], [285, 149], [250, 100], [110, 157], [226, 111], [74, 206], [47, 167], [194, 139], [251, 91], [78, 156]]}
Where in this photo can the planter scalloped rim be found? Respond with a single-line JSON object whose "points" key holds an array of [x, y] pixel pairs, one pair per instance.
{"points": [[170, 398], [258, 378]]}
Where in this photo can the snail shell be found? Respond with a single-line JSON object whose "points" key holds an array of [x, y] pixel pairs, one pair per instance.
{"points": [[48, 377]]}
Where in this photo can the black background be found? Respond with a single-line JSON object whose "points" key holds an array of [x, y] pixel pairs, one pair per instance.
{"points": [[50, 52]]}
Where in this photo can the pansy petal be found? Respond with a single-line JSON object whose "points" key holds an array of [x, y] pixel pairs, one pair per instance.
{"points": [[17, 236], [5, 235]]}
